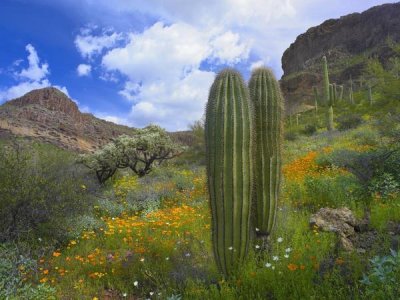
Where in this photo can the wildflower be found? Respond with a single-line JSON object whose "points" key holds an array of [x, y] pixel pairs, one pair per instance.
{"points": [[268, 265], [56, 254], [39, 239], [136, 283], [230, 248], [167, 258], [302, 267], [292, 267], [273, 267], [95, 298], [72, 242], [287, 250], [275, 258], [280, 240], [124, 294], [45, 272], [286, 255], [257, 247], [151, 293], [257, 229], [142, 259], [187, 254]]}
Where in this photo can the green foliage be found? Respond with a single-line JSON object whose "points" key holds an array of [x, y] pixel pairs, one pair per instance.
{"points": [[14, 265], [228, 130], [197, 152], [348, 121], [310, 129], [382, 281], [41, 187], [140, 153], [267, 101]]}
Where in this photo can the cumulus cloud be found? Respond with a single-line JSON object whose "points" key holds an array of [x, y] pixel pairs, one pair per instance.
{"points": [[90, 44], [30, 78], [35, 71], [163, 69], [84, 70]]}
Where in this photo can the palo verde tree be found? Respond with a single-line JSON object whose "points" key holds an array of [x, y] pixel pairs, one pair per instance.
{"points": [[148, 146], [139, 152]]}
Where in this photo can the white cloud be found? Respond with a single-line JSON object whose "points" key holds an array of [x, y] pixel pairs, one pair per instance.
{"points": [[256, 64], [35, 71], [84, 70], [33, 77], [89, 44], [162, 64]]}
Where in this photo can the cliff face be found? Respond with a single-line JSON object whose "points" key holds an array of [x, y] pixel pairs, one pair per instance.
{"points": [[344, 41], [50, 116]]}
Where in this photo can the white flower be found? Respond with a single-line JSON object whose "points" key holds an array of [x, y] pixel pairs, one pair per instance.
{"points": [[230, 248], [268, 265], [280, 239], [142, 259], [187, 254], [39, 239], [136, 283], [167, 258], [151, 293], [288, 250], [257, 229], [124, 294], [112, 218], [286, 255], [257, 247], [273, 267], [275, 258]]}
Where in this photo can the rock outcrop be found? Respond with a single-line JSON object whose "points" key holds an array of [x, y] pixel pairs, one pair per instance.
{"points": [[49, 115], [346, 42]]}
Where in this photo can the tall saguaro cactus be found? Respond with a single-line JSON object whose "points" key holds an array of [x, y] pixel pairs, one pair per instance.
{"points": [[228, 135], [267, 101], [325, 79]]}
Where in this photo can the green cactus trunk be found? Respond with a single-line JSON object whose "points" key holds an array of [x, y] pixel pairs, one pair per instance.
{"points": [[331, 95], [326, 79], [267, 101], [370, 99], [315, 90], [340, 98], [351, 96], [330, 125], [228, 139]]}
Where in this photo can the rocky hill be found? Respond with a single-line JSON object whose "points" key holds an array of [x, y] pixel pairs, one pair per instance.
{"points": [[346, 42], [50, 116]]}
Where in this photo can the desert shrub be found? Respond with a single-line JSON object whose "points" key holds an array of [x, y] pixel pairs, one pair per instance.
{"points": [[385, 185], [310, 129], [346, 122], [291, 136], [15, 264], [382, 280], [327, 191], [40, 187], [366, 137]]}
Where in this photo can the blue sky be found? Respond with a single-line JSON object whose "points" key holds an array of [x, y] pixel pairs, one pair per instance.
{"points": [[137, 62]]}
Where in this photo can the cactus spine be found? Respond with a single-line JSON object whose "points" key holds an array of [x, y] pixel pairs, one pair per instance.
{"points": [[267, 101], [229, 145]]}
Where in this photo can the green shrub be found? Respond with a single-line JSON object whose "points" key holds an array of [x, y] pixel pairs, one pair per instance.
{"points": [[346, 122], [382, 280], [40, 189], [310, 129], [291, 136]]}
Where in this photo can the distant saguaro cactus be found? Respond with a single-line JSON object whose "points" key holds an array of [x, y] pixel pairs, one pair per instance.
{"points": [[228, 136], [351, 96], [325, 79], [315, 90], [267, 100]]}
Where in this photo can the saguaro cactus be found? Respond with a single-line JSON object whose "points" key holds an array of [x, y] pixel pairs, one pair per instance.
{"points": [[351, 96], [326, 79], [330, 125], [229, 145], [315, 90], [267, 101]]}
